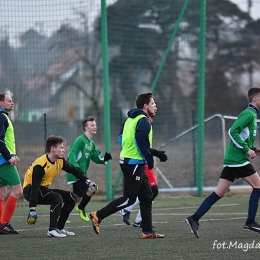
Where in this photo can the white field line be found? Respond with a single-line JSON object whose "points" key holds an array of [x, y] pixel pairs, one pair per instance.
{"points": [[154, 213]]}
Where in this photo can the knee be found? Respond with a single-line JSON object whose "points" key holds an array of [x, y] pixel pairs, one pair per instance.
{"points": [[57, 199], [221, 194], [17, 191], [3, 193], [74, 197], [131, 201], [89, 192]]}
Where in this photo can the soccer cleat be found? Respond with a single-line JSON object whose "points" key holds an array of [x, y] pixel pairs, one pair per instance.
{"points": [[194, 226], [253, 226], [125, 214], [139, 224], [95, 221], [55, 233], [152, 235], [67, 233], [82, 214], [7, 229]]}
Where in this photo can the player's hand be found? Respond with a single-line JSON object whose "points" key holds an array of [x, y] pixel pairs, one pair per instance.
{"points": [[92, 185], [150, 165], [14, 160], [257, 151], [160, 154], [107, 157], [32, 217], [251, 154]]}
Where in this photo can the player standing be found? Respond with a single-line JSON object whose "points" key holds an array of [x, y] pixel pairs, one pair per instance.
{"points": [[239, 151], [82, 151]]}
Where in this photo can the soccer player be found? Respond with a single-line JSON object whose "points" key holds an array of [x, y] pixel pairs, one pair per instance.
{"points": [[125, 213], [40, 176], [239, 151], [135, 153], [8, 172], [81, 152]]}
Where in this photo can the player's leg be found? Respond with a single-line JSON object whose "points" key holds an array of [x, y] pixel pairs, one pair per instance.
{"points": [[54, 199], [223, 186], [225, 181], [133, 175], [11, 179], [153, 183], [125, 213], [254, 181], [82, 190], [138, 218], [3, 192], [146, 197], [69, 201]]}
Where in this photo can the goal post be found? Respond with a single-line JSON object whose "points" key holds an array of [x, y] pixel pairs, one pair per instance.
{"points": [[179, 174]]}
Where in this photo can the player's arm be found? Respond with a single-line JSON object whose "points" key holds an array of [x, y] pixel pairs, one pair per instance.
{"points": [[68, 167], [79, 175], [3, 149], [160, 154], [37, 176], [235, 132], [98, 158], [142, 141], [119, 138]]}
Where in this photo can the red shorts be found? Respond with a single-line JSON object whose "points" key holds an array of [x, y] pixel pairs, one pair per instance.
{"points": [[151, 176]]}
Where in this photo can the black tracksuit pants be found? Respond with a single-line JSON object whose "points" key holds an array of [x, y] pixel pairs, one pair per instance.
{"points": [[136, 184], [61, 204]]}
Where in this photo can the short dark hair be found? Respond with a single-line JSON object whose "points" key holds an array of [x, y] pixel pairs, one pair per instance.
{"points": [[142, 99], [2, 96], [86, 120], [53, 140], [252, 92]]}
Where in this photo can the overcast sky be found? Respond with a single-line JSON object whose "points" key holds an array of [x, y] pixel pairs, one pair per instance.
{"points": [[17, 16], [254, 10]]}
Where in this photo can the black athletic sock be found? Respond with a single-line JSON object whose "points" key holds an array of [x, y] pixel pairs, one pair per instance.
{"points": [[253, 205], [85, 200], [205, 206]]}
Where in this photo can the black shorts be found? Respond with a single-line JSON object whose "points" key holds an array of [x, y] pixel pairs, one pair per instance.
{"points": [[232, 173], [80, 188]]}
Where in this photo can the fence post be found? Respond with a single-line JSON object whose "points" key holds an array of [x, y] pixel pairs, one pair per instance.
{"points": [[106, 96], [201, 95]]}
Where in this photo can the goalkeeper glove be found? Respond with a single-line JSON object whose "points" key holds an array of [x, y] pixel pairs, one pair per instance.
{"points": [[107, 157], [92, 185], [160, 154], [32, 216]]}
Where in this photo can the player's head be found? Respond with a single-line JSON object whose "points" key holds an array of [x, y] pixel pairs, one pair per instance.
{"points": [[145, 101], [6, 101], [54, 141], [252, 94], [89, 125]]}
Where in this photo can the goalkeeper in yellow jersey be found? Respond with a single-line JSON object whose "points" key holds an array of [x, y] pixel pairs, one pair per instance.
{"points": [[40, 176]]}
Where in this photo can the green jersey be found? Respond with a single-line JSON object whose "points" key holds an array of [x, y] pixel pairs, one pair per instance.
{"points": [[81, 152], [242, 136]]}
